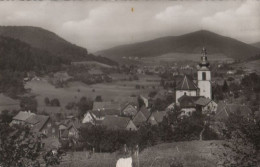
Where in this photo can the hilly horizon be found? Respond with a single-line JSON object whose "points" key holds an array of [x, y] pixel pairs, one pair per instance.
{"points": [[48, 41], [257, 44], [190, 43]]}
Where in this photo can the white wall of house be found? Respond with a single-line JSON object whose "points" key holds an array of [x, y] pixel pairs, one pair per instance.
{"points": [[131, 126], [88, 119]]}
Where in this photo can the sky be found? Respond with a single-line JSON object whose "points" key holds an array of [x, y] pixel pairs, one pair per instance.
{"points": [[98, 25]]}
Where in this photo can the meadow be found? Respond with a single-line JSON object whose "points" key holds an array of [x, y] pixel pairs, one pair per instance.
{"points": [[116, 91], [251, 66], [190, 153]]}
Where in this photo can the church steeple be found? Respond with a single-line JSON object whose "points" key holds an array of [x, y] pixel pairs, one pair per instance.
{"points": [[204, 76], [204, 60]]}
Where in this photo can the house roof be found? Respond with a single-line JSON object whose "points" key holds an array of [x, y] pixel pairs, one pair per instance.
{"points": [[159, 115], [186, 84], [23, 115], [41, 121], [224, 110], [203, 101], [188, 101], [115, 122], [129, 106], [145, 112], [142, 116]]}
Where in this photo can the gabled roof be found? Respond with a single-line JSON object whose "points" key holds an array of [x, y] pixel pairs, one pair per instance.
{"points": [[142, 116], [41, 121], [203, 101], [186, 84], [224, 110], [23, 115], [145, 112], [115, 122], [188, 101]]}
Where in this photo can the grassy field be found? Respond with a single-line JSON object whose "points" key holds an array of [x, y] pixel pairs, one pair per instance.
{"points": [[253, 66], [117, 91], [191, 154]]}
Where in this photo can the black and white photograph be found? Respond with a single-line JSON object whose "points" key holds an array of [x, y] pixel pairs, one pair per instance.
{"points": [[127, 83]]}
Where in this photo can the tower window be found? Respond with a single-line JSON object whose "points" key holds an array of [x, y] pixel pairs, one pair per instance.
{"points": [[203, 75]]}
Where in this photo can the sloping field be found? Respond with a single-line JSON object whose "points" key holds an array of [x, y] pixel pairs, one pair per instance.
{"points": [[252, 66], [116, 91], [191, 154]]}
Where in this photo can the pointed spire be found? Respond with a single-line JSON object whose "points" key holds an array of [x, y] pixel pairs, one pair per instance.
{"points": [[204, 60]]}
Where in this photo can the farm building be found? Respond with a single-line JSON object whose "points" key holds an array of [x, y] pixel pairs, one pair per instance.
{"points": [[129, 110], [142, 116], [224, 110], [206, 105], [157, 117], [118, 123]]}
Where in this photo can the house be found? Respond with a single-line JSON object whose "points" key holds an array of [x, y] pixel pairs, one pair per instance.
{"points": [[145, 100], [21, 117], [142, 116], [187, 104], [224, 110], [170, 107], [157, 117], [206, 105], [118, 123], [129, 110], [40, 124], [93, 118], [69, 129], [89, 118]]}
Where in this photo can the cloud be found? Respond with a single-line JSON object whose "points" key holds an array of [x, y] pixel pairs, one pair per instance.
{"points": [[242, 23], [98, 25]]}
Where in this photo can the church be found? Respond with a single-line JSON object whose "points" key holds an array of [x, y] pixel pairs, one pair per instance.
{"points": [[190, 95]]}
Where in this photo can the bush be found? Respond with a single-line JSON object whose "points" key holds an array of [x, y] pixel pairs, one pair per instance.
{"points": [[55, 102]]}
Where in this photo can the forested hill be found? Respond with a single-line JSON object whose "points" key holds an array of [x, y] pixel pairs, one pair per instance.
{"points": [[16, 55], [47, 41], [190, 43]]}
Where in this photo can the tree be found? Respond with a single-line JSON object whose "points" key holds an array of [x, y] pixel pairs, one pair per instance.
{"points": [[242, 136], [55, 102], [47, 101], [29, 104], [84, 105], [225, 87], [5, 116], [19, 147], [98, 98], [140, 102]]}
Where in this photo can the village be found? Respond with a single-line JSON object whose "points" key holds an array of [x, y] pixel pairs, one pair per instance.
{"points": [[215, 92], [122, 83]]}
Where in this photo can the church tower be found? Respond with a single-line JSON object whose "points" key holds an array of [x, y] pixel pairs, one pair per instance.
{"points": [[204, 76]]}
